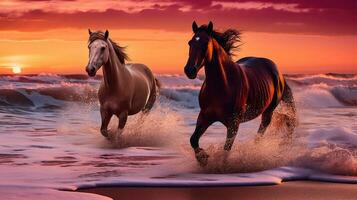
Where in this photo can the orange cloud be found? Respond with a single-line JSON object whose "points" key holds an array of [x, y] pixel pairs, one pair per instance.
{"points": [[261, 16], [299, 35]]}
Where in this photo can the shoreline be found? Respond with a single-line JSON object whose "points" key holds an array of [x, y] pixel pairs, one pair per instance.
{"points": [[292, 190]]}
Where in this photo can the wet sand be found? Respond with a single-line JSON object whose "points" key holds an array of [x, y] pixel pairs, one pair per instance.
{"points": [[295, 190]]}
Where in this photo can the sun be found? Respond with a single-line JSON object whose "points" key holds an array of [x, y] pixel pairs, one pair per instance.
{"points": [[16, 69]]}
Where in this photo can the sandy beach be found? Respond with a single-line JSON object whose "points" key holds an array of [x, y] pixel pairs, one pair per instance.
{"points": [[288, 190]]}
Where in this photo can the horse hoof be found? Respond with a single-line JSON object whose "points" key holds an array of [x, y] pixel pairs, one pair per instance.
{"points": [[104, 133], [202, 157]]}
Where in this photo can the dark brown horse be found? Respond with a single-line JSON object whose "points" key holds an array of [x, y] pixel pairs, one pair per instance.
{"points": [[232, 92]]}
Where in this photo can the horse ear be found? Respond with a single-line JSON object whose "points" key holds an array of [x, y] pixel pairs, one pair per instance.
{"points": [[89, 31], [194, 27], [210, 27], [106, 34]]}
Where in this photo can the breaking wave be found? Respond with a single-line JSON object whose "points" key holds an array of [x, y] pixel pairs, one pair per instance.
{"points": [[325, 90]]}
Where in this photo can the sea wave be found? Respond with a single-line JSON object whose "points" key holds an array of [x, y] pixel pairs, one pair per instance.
{"points": [[322, 90], [64, 148], [44, 97], [328, 79]]}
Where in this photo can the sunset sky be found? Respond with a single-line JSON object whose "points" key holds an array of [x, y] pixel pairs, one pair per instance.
{"points": [[301, 36]]}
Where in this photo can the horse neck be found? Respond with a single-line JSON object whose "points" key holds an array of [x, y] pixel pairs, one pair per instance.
{"points": [[217, 68], [114, 72]]}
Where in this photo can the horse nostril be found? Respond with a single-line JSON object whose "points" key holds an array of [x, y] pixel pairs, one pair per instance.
{"points": [[186, 70], [190, 71], [91, 70]]}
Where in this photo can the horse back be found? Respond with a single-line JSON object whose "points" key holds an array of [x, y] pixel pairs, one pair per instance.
{"points": [[264, 84], [220, 96], [141, 72], [144, 82], [132, 93]]}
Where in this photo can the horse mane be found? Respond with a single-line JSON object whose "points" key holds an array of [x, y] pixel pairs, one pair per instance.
{"points": [[230, 39], [119, 50]]}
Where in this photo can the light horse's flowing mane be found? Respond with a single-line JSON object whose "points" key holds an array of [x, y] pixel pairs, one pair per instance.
{"points": [[119, 51], [230, 39]]}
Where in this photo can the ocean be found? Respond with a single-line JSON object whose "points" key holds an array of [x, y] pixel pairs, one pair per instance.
{"points": [[50, 138]]}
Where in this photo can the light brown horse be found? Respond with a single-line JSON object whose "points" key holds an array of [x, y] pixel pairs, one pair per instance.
{"points": [[126, 89], [232, 92]]}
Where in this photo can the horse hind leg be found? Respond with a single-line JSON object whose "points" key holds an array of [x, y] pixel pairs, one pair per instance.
{"points": [[150, 103], [291, 118], [122, 120], [123, 116], [232, 130], [154, 93], [266, 119]]}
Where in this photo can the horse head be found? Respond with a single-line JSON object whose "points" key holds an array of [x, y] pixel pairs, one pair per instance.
{"points": [[199, 49], [98, 51]]}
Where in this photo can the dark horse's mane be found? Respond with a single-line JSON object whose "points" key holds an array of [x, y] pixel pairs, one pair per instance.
{"points": [[119, 51], [230, 39]]}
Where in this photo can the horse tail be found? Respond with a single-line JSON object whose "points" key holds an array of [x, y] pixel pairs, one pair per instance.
{"points": [[158, 86], [288, 97], [291, 116], [154, 93]]}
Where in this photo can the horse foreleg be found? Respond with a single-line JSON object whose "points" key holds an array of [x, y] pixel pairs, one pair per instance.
{"points": [[232, 130], [106, 116], [201, 127]]}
